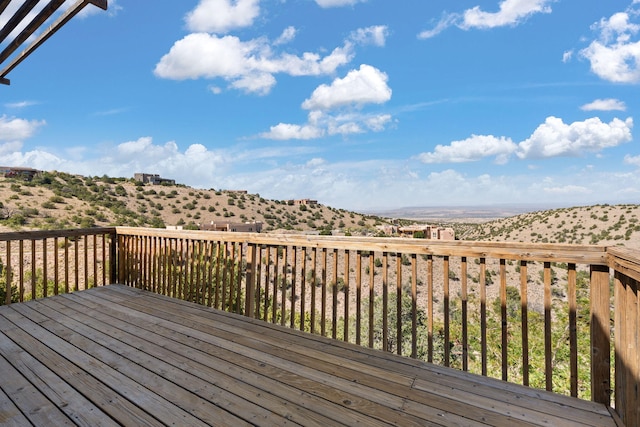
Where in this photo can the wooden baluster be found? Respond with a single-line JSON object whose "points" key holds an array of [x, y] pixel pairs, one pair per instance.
{"points": [[385, 301], [445, 309], [464, 296], [573, 327], [524, 313], [503, 317], [372, 296], [358, 296]]}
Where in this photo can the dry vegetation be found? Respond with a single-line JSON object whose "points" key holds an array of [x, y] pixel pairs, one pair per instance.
{"points": [[56, 200]]}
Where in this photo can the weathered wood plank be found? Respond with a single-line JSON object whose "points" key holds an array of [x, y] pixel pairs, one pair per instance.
{"points": [[516, 408]]}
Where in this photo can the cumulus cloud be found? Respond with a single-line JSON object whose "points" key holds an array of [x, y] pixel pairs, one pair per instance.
{"points": [[608, 104], [367, 85], [283, 131], [553, 138], [287, 35], [614, 56], [247, 65], [632, 160], [15, 129], [510, 13], [338, 3], [375, 35], [220, 16], [471, 149]]}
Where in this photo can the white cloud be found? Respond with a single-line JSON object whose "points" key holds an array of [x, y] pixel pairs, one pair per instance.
{"points": [[608, 104], [283, 131], [614, 56], [20, 104], [287, 36], [566, 56], [367, 85], [471, 149], [511, 13], [632, 160], [375, 35], [554, 138], [14, 129], [338, 3], [220, 16], [569, 190], [247, 65]]}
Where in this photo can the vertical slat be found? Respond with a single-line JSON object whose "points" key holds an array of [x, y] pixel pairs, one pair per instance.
{"points": [[524, 316], [259, 294], [372, 296], [303, 286], [314, 281], [445, 310], [464, 296], [334, 307], [95, 260], [573, 328], [20, 267], [346, 294], [385, 301], [238, 263], [323, 326], [483, 314], [7, 298], [276, 277], [283, 285], [600, 335], [399, 303], [219, 271], [430, 309], [33, 270], [503, 317], [56, 276], [250, 292], [294, 269], [414, 306], [358, 297], [85, 258], [45, 284], [66, 264], [267, 282], [104, 258], [548, 361]]}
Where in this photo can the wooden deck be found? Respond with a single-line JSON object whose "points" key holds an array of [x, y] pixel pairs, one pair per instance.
{"points": [[120, 356]]}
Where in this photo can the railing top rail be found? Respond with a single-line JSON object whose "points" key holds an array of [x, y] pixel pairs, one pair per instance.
{"points": [[579, 254], [624, 260], [48, 234]]}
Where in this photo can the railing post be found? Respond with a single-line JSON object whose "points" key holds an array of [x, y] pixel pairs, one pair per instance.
{"points": [[627, 343], [250, 274], [113, 257], [600, 335]]}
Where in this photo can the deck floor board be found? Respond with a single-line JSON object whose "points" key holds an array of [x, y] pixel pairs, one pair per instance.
{"points": [[117, 355]]}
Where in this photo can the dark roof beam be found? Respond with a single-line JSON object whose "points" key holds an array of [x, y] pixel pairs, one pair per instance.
{"points": [[17, 18], [52, 29], [4, 4], [31, 28]]}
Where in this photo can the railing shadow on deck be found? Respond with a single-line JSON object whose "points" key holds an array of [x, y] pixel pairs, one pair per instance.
{"points": [[535, 314]]}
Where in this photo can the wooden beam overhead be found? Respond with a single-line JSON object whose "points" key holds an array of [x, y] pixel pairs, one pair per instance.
{"points": [[36, 23]]}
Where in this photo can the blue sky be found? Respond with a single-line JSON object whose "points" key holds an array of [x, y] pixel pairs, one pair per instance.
{"points": [[360, 104]]}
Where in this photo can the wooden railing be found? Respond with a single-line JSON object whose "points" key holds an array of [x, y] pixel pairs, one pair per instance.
{"points": [[543, 315], [38, 264]]}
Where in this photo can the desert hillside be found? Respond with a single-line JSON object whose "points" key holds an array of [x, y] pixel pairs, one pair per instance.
{"points": [[598, 224], [55, 200]]}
